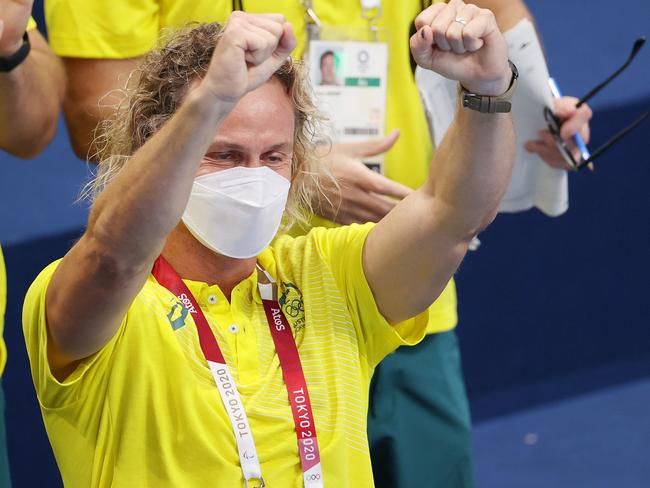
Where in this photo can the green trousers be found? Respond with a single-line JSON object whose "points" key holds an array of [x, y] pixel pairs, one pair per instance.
{"points": [[5, 478], [418, 422]]}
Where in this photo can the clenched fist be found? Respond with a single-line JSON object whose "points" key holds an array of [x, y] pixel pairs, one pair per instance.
{"points": [[251, 48], [462, 42]]}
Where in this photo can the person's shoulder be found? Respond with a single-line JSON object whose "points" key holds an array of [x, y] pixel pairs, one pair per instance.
{"points": [[338, 239], [323, 237], [320, 246]]}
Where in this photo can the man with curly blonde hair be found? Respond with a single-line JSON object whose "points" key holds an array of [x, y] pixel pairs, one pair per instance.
{"points": [[171, 346]]}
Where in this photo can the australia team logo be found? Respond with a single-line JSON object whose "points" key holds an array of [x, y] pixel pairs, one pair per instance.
{"points": [[293, 305]]}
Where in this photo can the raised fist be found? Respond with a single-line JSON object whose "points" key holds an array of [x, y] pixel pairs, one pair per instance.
{"points": [[251, 48], [462, 42]]}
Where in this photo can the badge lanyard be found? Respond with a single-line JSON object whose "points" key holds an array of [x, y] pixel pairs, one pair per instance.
{"points": [[370, 10], [349, 70], [292, 372]]}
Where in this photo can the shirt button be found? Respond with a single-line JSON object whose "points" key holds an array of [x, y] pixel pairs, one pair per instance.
{"points": [[212, 299], [233, 328]]}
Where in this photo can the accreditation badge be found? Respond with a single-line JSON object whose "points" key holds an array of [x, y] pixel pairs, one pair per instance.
{"points": [[349, 78]]}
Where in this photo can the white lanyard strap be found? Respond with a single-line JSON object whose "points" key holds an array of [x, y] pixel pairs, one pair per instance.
{"points": [[248, 458], [292, 372]]}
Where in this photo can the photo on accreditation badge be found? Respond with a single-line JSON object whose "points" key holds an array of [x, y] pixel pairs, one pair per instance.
{"points": [[328, 66]]}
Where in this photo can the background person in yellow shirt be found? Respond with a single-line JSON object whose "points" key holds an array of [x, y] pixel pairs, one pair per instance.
{"points": [[31, 92], [122, 399], [101, 42]]}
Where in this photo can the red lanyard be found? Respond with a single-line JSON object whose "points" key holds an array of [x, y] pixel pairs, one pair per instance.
{"points": [[292, 372]]}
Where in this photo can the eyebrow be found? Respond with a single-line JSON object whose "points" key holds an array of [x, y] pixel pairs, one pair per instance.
{"points": [[282, 146]]}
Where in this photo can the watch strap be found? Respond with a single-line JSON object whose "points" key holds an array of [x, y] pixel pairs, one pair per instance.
{"points": [[10, 62], [491, 104]]}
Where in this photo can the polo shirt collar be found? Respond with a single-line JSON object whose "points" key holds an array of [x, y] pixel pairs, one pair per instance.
{"points": [[202, 290]]}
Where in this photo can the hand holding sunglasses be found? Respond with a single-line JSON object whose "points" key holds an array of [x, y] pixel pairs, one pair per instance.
{"points": [[578, 157]]}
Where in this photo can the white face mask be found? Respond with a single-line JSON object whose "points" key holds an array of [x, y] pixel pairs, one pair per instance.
{"points": [[237, 212]]}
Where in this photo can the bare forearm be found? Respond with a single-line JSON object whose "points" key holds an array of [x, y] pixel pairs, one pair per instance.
{"points": [[418, 246], [141, 206], [30, 98], [470, 171], [126, 231]]}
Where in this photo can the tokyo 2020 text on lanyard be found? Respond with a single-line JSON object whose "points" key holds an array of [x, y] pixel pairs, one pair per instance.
{"points": [[294, 378]]}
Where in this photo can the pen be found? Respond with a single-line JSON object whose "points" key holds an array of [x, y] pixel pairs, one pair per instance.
{"points": [[577, 138]]}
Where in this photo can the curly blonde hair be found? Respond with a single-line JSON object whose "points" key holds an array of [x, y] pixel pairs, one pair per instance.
{"points": [[156, 90]]}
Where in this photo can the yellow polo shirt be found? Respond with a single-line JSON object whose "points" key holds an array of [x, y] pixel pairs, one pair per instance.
{"points": [[122, 29], [144, 411]]}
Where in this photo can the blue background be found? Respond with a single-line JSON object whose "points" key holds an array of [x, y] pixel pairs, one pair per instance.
{"points": [[548, 307]]}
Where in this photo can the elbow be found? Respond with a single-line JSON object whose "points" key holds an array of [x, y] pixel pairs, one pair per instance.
{"points": [[80, 146], [486, 221], [464, 227], [34, 141], [482, 222], [81, 121], [22, 151], [46, 134], [115, 257]]}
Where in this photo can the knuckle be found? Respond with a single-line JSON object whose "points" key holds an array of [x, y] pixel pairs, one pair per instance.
{"points": [[487, 13], [437, 28], [378, 187], [439, 33], [468, 37], [454, 30], [234, 25]]}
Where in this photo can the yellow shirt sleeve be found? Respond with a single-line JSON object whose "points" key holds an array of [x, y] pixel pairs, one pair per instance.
{"points": [[118, 29], [31, 24], [102, 28], [87, 376], [342, 250]]}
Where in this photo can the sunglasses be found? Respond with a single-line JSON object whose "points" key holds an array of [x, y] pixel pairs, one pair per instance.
{"points": [[554, 124]]}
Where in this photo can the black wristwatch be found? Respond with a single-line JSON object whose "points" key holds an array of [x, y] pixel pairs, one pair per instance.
{"points": [[11, 62], [489, 105]]}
